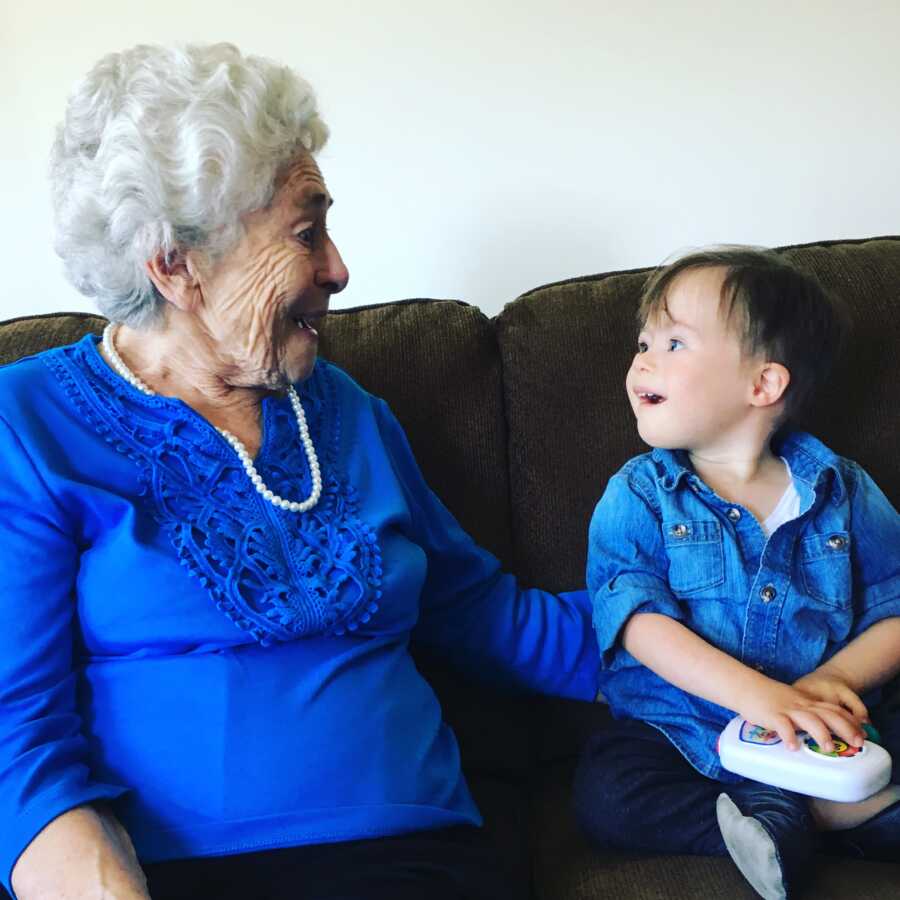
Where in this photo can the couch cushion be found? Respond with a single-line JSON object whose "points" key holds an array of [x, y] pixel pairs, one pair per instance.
{"points": [[566, 348], [32, 334], [436, 363]]}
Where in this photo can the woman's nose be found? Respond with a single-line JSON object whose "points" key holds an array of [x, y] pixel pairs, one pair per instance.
{"points": [[333, 275]]}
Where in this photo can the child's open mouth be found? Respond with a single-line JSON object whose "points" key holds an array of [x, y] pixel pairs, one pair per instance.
{"points": [[650, 397]]}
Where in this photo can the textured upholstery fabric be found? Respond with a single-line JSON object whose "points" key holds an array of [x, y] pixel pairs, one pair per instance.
{"points": [[31, 334], [565, 351], [436, 363]]}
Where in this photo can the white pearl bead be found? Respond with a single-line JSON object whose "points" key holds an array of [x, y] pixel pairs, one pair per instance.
{"points": [[234, 442]]}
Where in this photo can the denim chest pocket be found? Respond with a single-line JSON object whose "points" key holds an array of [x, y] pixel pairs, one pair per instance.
{"points": [[696, 559], [825, 567]]}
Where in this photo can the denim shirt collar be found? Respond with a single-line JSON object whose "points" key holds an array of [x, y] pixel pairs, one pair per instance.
{"points": [[812, 464]]}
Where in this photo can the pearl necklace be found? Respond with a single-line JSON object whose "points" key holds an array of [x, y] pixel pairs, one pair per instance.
{"points": [[236, 444]]}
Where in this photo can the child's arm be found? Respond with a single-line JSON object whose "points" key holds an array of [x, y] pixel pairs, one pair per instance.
{"points": [[635, 609], [684, 659], [872, 657], [867, 662]]}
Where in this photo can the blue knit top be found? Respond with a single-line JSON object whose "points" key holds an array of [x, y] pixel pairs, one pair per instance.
{"points": [[230, 675]]}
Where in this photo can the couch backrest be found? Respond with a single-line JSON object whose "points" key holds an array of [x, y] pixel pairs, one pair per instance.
{"points": [[566, 348], [436, 363]]}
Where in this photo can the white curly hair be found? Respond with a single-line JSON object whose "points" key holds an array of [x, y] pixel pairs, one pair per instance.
{"points": [[166, 147]]}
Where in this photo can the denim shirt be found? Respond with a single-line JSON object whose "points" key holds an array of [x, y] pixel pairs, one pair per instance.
{"points": [[661, 541]]}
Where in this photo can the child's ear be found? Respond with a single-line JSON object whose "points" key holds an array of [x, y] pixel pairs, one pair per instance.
{"points": [[174, 275], [770, 384]]}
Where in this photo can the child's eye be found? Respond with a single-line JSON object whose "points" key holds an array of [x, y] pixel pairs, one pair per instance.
{"points": [[675, 344], [642, 347]]}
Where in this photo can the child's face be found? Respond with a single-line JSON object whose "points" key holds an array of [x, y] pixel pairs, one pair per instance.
{"points": [[690, 382]]}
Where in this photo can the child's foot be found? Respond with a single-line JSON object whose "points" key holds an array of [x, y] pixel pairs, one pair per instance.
{"points": [[771, 845]]}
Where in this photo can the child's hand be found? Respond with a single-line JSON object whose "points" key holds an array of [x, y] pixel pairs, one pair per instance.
{"points": [[786, 709], [832, 688]]}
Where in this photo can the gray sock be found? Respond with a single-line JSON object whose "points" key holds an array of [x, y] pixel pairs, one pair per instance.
{"points": [[752, 850]]}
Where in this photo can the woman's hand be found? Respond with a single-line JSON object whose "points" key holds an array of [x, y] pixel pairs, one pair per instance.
{"points": [[785, 709], [84, 854], [831, 687]]}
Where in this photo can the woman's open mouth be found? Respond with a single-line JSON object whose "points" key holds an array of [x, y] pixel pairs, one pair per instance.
{"points": [[650, 397], [308, 321]]}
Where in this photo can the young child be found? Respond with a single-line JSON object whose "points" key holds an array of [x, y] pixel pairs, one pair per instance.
{"points": [[739, 567]]}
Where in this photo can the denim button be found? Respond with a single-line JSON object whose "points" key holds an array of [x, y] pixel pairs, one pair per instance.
{"points": [[679, 531], [734, 514], [836, 542], [768, 593]]}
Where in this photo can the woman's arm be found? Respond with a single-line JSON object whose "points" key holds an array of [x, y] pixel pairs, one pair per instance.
{"points": [[684, 659], [84, 853], [44, 755], [477, 618]]}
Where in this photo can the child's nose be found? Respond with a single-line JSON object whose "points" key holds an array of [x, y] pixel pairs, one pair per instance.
{"points": [[643, 362]]}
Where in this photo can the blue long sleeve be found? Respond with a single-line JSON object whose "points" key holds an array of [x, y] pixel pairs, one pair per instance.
{"points": [[43, 752], [474, 615]]}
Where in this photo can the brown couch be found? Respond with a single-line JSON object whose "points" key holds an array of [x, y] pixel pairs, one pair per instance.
{"points": [[518, 421]]}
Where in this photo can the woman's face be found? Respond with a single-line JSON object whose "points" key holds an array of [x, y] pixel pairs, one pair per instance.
{"points": [[262, 301]]}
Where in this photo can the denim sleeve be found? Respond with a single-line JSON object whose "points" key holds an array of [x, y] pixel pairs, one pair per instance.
{"points": [[475, 616], [627, 567], [874, 552], [43, 752]]}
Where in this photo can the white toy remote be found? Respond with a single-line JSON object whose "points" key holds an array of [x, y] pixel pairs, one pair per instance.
{"points": [[846, 774]]}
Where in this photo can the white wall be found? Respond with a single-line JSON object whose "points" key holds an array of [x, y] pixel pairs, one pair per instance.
{"points": [[482, 148]]}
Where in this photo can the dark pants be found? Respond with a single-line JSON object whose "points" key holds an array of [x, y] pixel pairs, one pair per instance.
{"points": [[445, 864], [635, 791]]}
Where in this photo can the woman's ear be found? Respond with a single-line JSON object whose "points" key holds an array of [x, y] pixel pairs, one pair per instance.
{"points": [[174, 274], [770, 384]]}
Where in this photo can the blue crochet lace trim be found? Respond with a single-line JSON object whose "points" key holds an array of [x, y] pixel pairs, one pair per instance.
{"points": [[278, 575]]}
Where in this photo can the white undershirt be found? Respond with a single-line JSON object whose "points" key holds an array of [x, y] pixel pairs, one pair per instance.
{"points": [[787, 508]]}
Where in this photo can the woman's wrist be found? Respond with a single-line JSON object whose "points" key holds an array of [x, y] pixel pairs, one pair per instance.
{"points": [[84, 853]]}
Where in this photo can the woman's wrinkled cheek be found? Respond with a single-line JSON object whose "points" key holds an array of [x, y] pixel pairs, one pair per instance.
{"points": [[254, 305]]}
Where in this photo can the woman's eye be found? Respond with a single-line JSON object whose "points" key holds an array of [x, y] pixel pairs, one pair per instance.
{"points": [[642, 347], [675, 344], [306, 236]]}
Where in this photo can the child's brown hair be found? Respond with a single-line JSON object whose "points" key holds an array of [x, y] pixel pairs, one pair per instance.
{"points": [[778, 310]]}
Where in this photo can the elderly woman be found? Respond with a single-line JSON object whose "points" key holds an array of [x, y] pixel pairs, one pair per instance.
{"points": [[216, 548]]}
